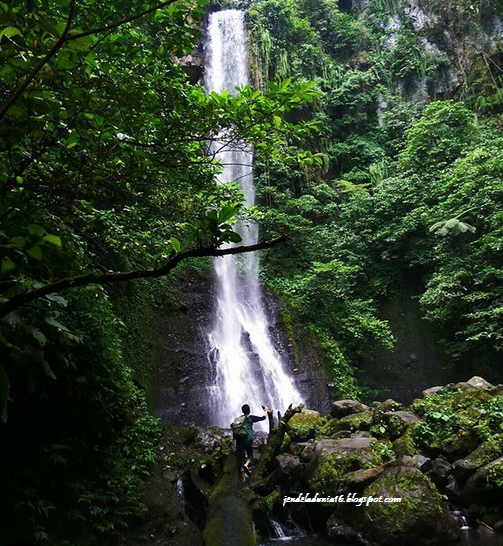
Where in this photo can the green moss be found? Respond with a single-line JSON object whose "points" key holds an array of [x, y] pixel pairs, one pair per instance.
{"points": [[352, 423], [304, 425], [456, 420], [487, 451], [287, 325], [330, 468], [382, 451], [421, 503], [496, 474], [405, 444]]}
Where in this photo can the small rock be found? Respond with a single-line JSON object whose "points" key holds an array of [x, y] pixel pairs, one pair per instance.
{"points": [[288, 468], [340, 533], [388, 405], [453, 490], [341, 408], [440, 471], [306, 451], [462, 469], [420, 462], [476, 382], [431, 390], [361, 478]]}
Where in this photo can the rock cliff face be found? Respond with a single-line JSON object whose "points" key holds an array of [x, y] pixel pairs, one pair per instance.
{"points": [[456, 40]]}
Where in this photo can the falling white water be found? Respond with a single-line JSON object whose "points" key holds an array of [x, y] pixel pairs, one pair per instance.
{"points": [[247, 369]]}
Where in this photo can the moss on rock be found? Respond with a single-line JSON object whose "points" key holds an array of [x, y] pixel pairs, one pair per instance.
{"points": [[332, 459], [405, 444], [420, 518], [304, 425]]}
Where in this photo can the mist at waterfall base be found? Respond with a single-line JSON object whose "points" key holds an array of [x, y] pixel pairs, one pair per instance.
{"points": [[245, 365]]}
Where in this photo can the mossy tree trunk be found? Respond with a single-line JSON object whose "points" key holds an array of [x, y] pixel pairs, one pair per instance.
{"points": [[229, 521]]}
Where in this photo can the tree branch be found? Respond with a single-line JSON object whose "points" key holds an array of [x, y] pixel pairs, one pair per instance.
{"points": [[38, 67], [99, 278], [121, 22], [65, 37]]}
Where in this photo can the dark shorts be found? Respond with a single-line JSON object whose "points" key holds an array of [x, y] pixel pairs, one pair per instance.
{"points": [[244, 451]]}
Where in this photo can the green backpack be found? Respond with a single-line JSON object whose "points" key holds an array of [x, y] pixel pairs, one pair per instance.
{"points": [[239, 428]]}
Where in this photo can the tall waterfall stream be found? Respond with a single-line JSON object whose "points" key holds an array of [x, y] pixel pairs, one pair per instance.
{"points": [[246, 367]]}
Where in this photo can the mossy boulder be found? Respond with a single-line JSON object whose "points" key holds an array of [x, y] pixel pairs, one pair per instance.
{"points": [[405, 444], [304, 425], [342, 408], [332, 459], [350, 423], [487, 451], [388, 405], [421, 518], [486, 485], [396, 422]]}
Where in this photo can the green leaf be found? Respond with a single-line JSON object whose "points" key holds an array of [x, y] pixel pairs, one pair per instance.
{"points": [[80, 44], [39, 336], [8, 265], [52, 239], [35, 252], [10, 32], [34, 229], [48, 370], [233, 237], [56, 324], [57, 299], [175, 243]]}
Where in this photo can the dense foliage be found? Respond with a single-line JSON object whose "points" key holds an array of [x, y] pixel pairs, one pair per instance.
{"points": [[104, 167], [409, 187]]}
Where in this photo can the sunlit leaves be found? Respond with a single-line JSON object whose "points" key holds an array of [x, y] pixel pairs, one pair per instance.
{"points": [[453, 226]]}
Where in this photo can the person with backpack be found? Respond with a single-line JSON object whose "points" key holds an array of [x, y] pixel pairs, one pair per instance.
{"points": [[242, 431]]}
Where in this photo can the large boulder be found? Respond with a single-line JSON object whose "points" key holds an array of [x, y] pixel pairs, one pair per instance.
{"points": [[288, 468], [396, 422], [486, 485], [475, 382], [351, 423], [332, 459], [421, 518], [304, 425], [341, 408]]}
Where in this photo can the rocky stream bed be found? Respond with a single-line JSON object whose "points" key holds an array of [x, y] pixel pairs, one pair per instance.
{"points": [[442, 455]]}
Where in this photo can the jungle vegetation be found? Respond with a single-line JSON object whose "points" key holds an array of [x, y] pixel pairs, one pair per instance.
{"points": [[375, 155]]}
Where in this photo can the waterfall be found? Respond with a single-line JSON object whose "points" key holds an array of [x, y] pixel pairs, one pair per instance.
{"points": [[245, 365]]}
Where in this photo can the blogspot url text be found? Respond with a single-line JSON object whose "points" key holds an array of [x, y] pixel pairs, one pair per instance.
{"points": [[349, 498]]}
